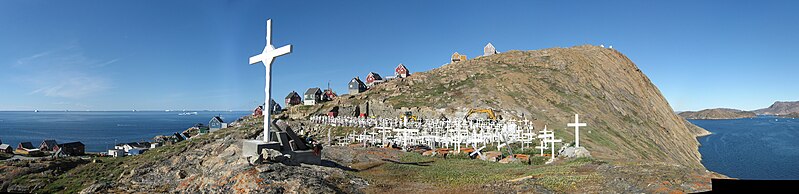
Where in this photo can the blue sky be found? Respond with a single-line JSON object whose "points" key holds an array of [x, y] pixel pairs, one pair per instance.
{"points": [[156, 55]]}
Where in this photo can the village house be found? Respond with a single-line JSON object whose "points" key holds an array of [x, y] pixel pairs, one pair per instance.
{"points": [[201, 129], [329, 95], [401, 71], [71, 149], [48, 145], [216, 124], [458, 57], [136, 151], [293, 99], [259, 111], [373, 79], [26, 148], [356, 86], [489, 50], [313, 96], [132, 145], [116, 153], [274, 107], [178, 137], [5, 148]]}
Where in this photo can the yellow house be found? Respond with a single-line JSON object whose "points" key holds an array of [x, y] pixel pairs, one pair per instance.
{"points": [[458, 57]]}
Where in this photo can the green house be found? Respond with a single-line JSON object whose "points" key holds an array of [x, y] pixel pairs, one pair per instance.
{"points": [[202, 129]]}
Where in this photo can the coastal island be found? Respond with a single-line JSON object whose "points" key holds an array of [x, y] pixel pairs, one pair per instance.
{"points": [[717, 113]]}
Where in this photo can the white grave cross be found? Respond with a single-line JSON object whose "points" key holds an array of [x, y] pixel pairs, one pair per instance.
{"points": [[266, 57], [576, 126]]}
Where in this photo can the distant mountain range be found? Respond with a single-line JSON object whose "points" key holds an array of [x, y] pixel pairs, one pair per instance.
{"points": [[780, 108], [717, 113]]}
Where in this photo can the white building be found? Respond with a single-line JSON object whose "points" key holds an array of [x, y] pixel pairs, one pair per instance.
{"points": [[489, 50], [116, 153]]}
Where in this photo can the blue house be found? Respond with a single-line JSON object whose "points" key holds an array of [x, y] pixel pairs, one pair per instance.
{"points": [[136, 151], [216, 124]]}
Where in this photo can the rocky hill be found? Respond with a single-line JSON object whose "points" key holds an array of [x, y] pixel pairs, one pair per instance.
{"points": [[779, 108], [718, 113], [628, 118]]}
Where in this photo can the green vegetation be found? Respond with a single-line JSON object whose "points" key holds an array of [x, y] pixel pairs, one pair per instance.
{"points": [[459, 170], [4, 156], [105, 171]]}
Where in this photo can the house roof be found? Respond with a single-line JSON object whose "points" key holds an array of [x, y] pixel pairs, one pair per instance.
{"points": [[50, 143], [292, 94], [4, 146], [356, 79], [71, 144], [217, 118], [312, 91], [402, 66], [27, 145], [374, 75], [136, 144]]}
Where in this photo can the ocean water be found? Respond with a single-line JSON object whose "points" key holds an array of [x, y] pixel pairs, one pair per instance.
{"points": [[763, 148], [99, 130]]}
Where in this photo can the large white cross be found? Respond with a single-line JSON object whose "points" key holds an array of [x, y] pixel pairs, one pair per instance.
{"points": [[266, 57], [576, 126]]}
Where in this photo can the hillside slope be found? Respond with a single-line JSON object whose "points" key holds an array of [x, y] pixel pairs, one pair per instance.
{"points": [[779, 108], [628, 118], [717, 113]]}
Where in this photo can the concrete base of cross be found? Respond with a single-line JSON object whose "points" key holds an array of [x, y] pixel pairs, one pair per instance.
{"points": [[252, 148], [287, 142]]}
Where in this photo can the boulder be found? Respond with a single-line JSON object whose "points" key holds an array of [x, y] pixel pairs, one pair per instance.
{"points": [[572, 152], [508, 159], [492, 156]]}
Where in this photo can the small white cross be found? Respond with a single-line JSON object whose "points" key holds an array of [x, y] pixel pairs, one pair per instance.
{"points": [[576, 126]]}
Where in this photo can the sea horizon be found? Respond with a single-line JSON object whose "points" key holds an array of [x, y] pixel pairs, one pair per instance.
{"points": [[100, 130]]}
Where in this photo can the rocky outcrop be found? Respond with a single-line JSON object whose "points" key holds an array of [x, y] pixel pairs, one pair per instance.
{"points": [[717, 113], [213, 163], [791, 115], [779, 108]]}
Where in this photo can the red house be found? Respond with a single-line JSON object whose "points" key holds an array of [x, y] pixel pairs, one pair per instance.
{"points": [[259, 111], [293, 99], [329, 95], [401, 71], [373, 79]]}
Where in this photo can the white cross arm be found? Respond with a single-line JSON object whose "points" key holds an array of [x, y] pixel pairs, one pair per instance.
{"points": [[576, 125], [553, 140], [268, 56]]}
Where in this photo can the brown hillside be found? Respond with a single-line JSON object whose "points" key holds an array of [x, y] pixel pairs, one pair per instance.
{"points": [[628, 118]]}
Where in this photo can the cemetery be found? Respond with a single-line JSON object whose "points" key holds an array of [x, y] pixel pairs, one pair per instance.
{"points": [[453, 136]]}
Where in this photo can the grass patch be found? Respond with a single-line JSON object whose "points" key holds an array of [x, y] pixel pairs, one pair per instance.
{"points": [[459, 170], [108, 170]]}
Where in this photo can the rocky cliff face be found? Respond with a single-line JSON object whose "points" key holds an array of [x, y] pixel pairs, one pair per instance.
{"points": [[628, 118], [718, 113], [779, 108]]}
